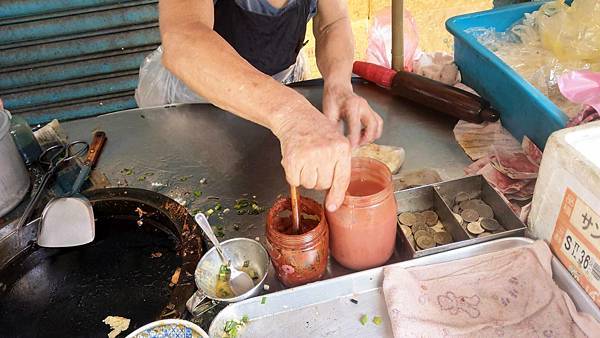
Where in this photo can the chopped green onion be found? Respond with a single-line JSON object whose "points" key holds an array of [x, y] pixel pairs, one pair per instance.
{"points": [[364, 319], [377, 320], [127, 171], [245, 319], [263, 300], [197, 193]]}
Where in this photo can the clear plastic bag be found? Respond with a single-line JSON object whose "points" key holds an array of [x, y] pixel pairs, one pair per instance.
{"points": [[572, 33], [158, 87]]}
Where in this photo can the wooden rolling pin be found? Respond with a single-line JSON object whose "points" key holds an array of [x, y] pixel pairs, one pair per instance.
{"points": [[429, 93]]}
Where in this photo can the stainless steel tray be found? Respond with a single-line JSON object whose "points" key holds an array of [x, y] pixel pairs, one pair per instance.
{"points": [[325, 308], [440, 197]]}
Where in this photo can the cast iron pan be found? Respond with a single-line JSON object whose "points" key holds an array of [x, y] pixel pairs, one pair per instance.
{"points": [[142, 238]]}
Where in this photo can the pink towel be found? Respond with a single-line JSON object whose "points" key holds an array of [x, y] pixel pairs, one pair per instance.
{"points": [[509, 293]]}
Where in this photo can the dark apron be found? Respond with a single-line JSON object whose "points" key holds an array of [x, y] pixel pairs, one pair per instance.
{"points": [[270, 43]]}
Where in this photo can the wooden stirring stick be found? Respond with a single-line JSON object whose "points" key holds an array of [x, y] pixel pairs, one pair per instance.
{"points": [[295, 210]]}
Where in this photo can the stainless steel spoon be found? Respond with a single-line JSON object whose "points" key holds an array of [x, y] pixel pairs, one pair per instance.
{"points": [[240, 281]]}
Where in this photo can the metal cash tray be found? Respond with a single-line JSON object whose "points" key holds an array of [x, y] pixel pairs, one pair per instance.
{"points": [[440, 198], [325, 308]]}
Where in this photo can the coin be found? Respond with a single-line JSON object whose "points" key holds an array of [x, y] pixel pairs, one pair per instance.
{"points": [[420, 218], [431, 218], [406, 230], [411, 241], [478, 201], [461, 197], [407, 218], [475, 228], [484, 211], [421, 233], [489, 224], [438, 227], [456, 209], [425, 242], [442, 238], [466, 204], [469, 215], [431, 232], [484, 234], [458, 218], [418, 227]]}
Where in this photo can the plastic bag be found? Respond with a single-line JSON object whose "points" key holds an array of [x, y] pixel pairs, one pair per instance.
{"points": [[523, 49], [572, 32], [379, 43], [437, 66], [158, 87], [582, 88]]}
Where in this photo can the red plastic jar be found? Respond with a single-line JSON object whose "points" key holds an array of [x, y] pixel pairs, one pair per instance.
{"points": [[302, 258], [363, 229]]}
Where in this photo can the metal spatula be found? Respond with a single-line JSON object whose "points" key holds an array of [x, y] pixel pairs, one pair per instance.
{"points": [[69, 221]]}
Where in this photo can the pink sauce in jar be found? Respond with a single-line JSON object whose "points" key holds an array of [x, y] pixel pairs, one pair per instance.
{"points": [[363, 230]]}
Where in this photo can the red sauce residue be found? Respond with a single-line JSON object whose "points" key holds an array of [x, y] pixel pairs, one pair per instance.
{"points": [[363, 187], [307, 223], [298, 258]]}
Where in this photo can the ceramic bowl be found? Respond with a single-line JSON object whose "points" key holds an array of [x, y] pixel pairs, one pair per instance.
{"points": [[169, 328]]}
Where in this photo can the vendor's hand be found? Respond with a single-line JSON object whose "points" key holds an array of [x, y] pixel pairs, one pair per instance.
{"points": [[315, 154], [362, 123]]}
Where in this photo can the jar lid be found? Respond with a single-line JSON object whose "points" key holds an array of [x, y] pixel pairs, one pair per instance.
{"points": [[4, 122]]}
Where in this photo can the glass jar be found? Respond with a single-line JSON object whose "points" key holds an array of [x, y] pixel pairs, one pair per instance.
{"points": [[363, 229], [298, 258]]}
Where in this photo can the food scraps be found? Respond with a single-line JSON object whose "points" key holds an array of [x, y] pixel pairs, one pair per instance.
{"points": [[117, 325]]}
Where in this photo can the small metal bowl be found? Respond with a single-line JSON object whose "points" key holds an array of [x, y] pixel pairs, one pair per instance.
{"points": [[238, 250]]}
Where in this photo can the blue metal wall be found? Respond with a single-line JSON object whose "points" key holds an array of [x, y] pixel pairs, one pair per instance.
{"points": [[67, 59]]}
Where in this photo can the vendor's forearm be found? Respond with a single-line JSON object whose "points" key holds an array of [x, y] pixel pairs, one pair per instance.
{"points": [[335, 51], [207, 64]]}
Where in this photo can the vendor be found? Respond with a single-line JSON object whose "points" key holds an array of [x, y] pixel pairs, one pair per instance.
{"points": [[227, 51]]}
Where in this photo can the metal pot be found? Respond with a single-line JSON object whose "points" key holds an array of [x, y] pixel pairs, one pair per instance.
{"points": [[14, 177]]}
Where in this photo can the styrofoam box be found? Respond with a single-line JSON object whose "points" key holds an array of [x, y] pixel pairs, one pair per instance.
{"points": [[566, 203]]}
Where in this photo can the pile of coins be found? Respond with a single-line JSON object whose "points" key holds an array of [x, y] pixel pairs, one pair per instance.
{"points": [[424, 229], [475, 216]]}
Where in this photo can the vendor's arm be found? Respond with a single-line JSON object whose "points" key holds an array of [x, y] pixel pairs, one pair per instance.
{"points": [[315, 154], [335, 55]]}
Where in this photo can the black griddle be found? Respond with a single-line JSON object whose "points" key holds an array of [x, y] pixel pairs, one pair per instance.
{"points": [[68, 292]]}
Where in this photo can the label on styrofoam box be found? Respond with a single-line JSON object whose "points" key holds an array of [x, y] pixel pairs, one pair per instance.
{"points": [[576, 241]]}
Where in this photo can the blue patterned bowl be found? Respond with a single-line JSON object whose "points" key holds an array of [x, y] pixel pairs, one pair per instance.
{"points": [[169, 328]]}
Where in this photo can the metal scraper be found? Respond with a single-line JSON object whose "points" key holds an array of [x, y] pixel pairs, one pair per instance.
{"points": [[69, 221]]}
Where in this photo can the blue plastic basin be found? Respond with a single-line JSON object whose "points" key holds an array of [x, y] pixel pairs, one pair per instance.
{"points": [[524, 110]]}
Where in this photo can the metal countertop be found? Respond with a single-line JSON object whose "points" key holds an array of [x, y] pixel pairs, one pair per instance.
{"points": [[180, 145]]}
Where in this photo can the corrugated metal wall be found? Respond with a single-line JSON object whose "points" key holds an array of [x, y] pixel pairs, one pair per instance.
{"points": [[73, 58]]}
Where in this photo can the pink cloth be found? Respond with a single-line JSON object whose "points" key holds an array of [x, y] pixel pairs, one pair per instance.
{"points": [[509, 293]]}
